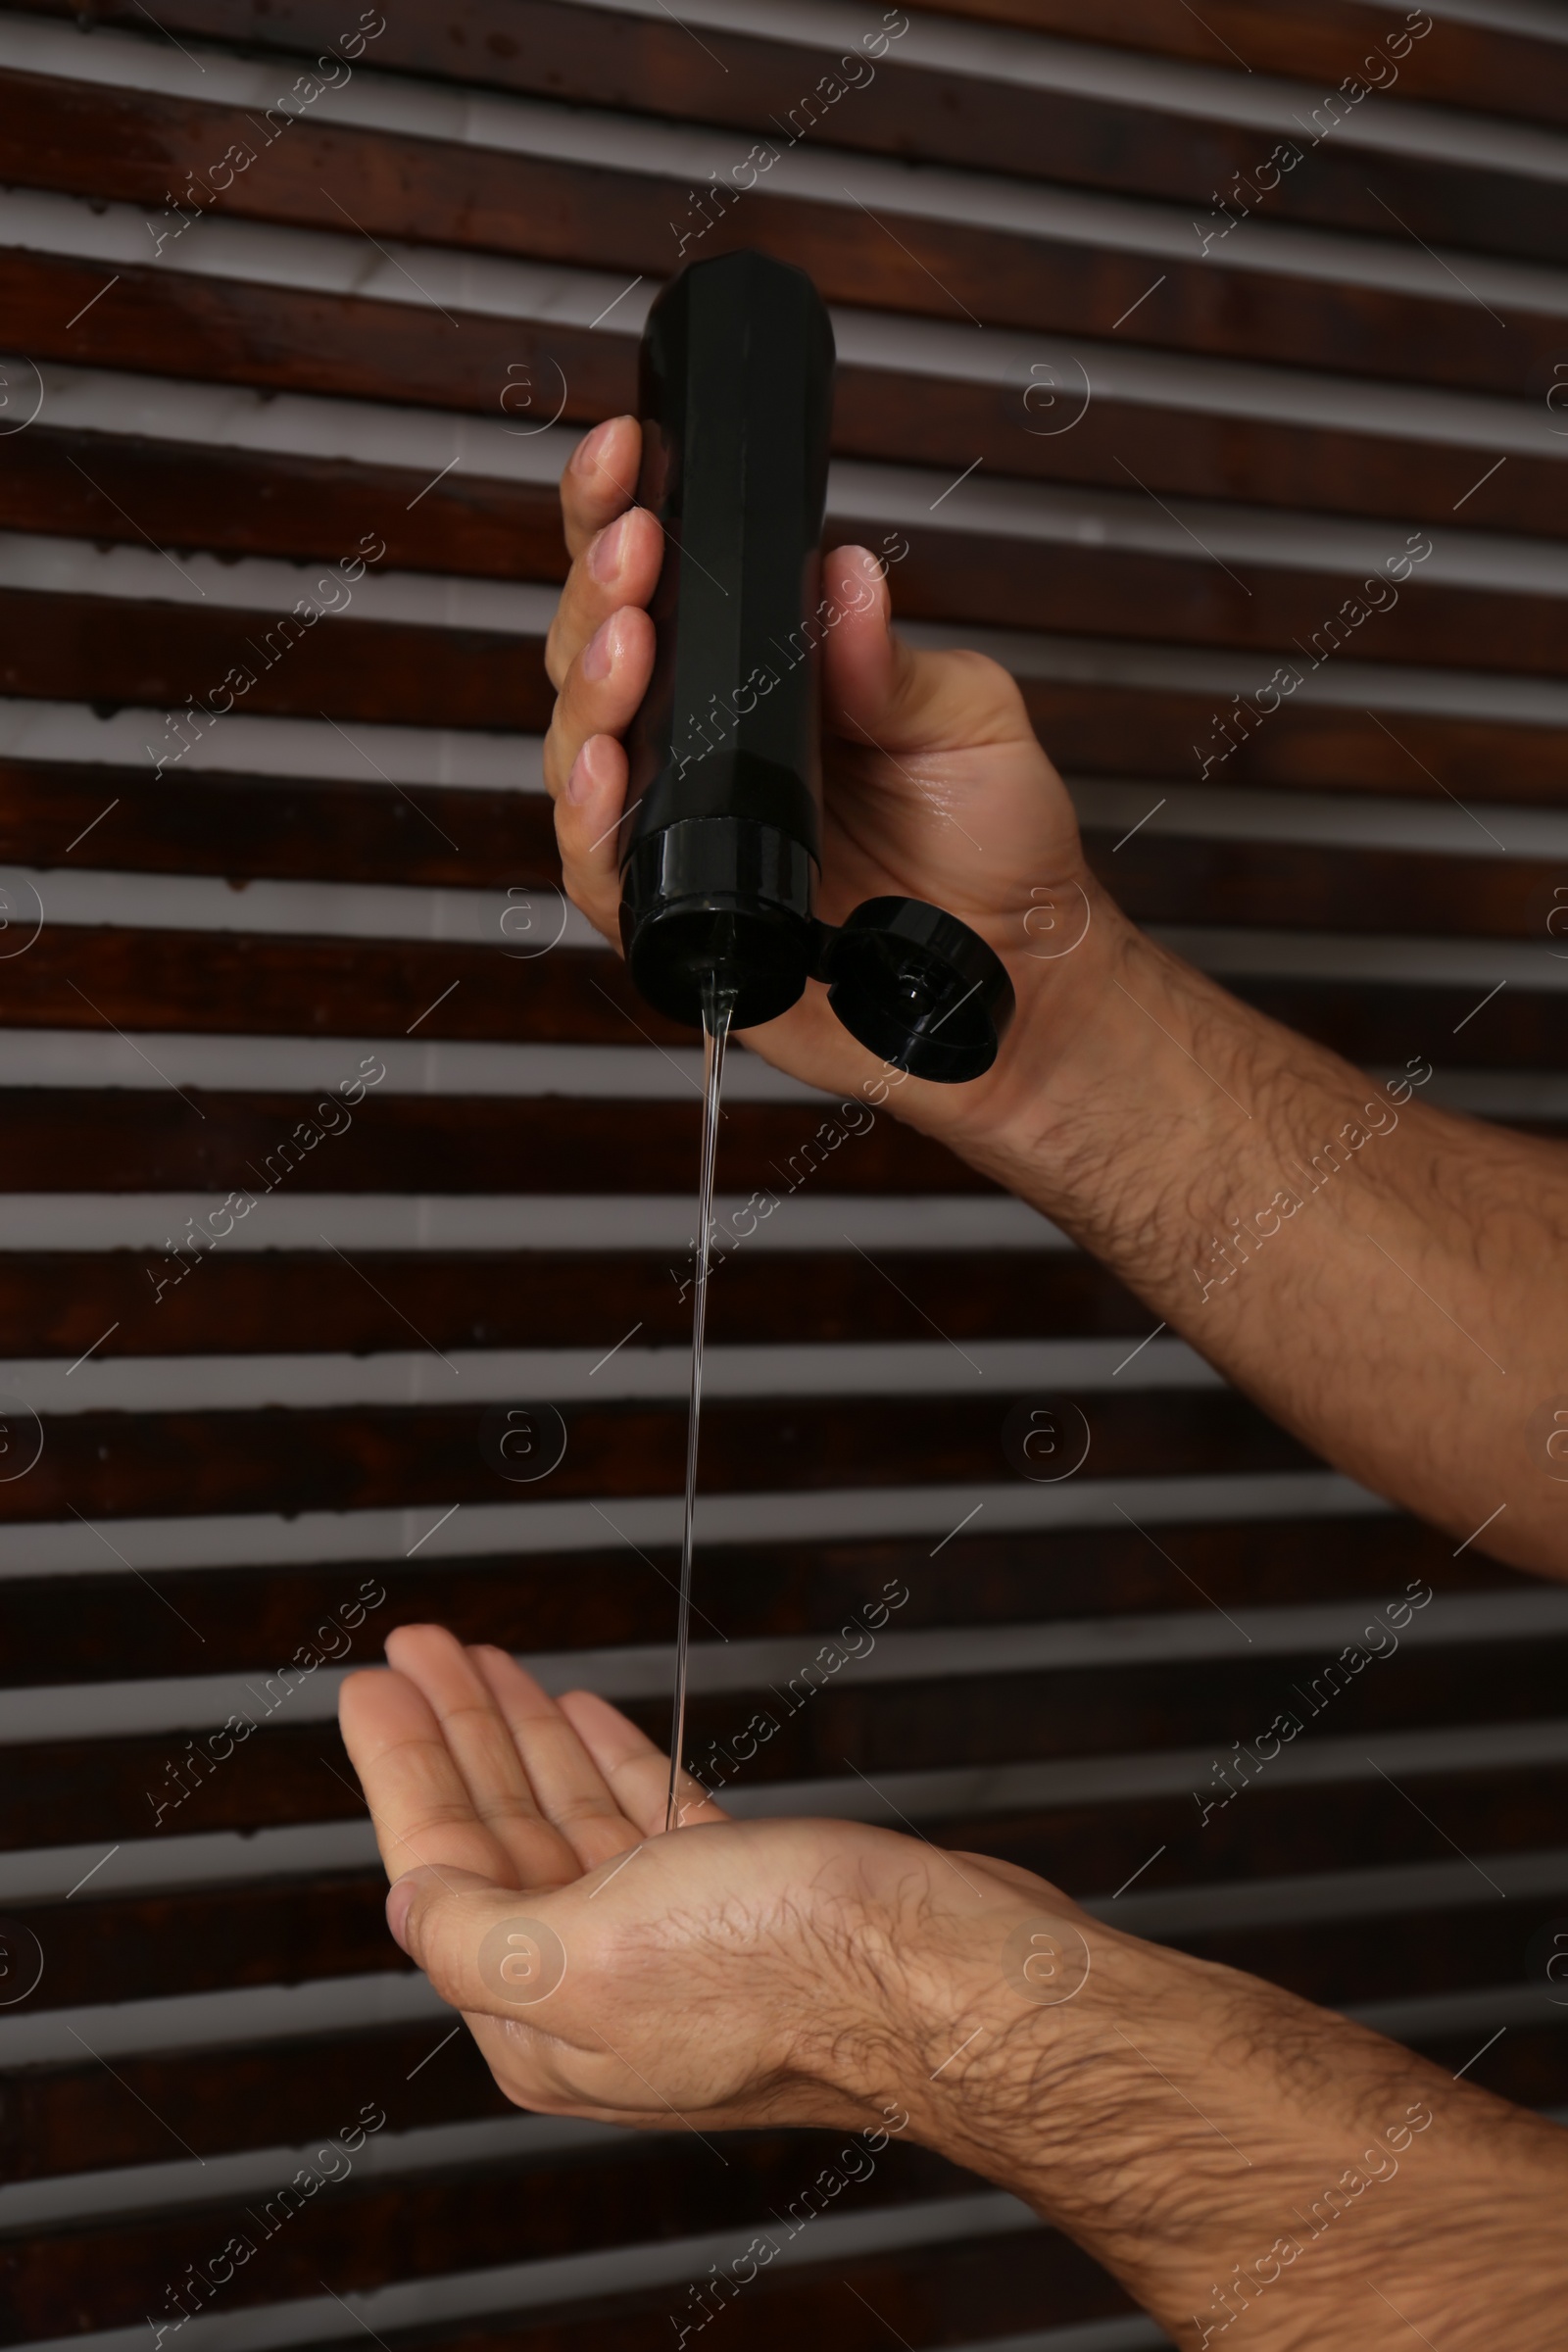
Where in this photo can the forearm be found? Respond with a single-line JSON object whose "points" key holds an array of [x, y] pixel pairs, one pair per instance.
{"points": [[1247, 2165], [1388, 1281]]}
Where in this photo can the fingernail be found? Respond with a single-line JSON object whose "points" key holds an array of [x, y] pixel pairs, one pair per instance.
{"points": [[604, 557], [582, 779], [399, 1903], [599, 655], [589, 447]]}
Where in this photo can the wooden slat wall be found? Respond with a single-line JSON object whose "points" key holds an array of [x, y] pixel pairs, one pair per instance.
{"points": [[254, 1461]]}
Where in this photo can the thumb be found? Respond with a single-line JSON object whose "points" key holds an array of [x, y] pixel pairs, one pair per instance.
{"points": [[487, 1948], [880, 693]]}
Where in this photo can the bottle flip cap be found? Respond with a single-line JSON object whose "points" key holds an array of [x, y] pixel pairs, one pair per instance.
{"points": [[918, 987]]}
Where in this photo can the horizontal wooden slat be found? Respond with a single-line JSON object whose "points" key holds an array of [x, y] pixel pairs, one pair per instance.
{"points": [[1162, 877], [62, 2118], [284, 829], [183, 494], [262, 985], [343, 1458], [186, 822], [59, 1303], [935, 2295], [972, 577], [509, 44], [1272, 1833], [1133, 730], [1529, 2064], [67, 1792], [457, 2220], [102, 1626], [71, 1138], [223, 330], [1486, 65], [1339, 1965], [1391, 1021], [1184, 451], [737, 81], [588, 215], [88, 484], [115, 651], [79, 647], [272, 1931]]}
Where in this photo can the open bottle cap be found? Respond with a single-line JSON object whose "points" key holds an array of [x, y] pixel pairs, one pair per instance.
{"points": [[917, 987]]}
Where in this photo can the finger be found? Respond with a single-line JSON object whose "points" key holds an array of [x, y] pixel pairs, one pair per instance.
{"points": [[634, 1768], [482, 1749], [421, 1809], [618, 566], [599, 692], [442, 1920], [587, 831], [600, 479], [585, 764], [573, 1793]]}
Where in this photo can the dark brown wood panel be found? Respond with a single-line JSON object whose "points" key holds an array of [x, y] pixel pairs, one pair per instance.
{"points": [[1341, 1964], [71, 1138], [936, 2296], [1186, 451], [189, 495], [340, 1458], [57, 1303], [1273, 1833], [272, 1931], [1305, 617], [176, 1784], [510, 44], [619, 220], [1481, 66], [241, 827], [234, 983], [277, 2094], [104, 1628], [115, 2272], [1390, 1022], [222, 331], [254, 827], [182, 495], [774, 92], [1529, 2064], [1125, 730], [1161, 877], [114, 650]]}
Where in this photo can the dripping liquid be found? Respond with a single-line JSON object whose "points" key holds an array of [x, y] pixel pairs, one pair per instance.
{"points": [[718, 1005]]}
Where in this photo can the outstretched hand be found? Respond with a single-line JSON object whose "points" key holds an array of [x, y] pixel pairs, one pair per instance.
{"points": [[726, 1974], [935, 785]]}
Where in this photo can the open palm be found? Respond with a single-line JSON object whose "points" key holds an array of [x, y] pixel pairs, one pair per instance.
{"points": [[713, 1976]]}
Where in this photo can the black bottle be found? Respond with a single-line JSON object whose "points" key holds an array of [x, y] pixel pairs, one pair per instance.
{"points": [[721, 840]]}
